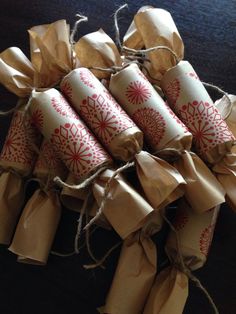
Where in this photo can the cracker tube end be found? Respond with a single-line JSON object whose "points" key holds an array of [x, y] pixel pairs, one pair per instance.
{"points": [[131, 285], [16, 161], [41, 213], [157, 28]]}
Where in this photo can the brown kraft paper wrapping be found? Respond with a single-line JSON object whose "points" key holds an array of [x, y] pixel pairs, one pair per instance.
{"points": [[157, 28], [39, 220], [132, 38], [195, 234], [125, 209], [70, 138], [213, 139], [97, 50], [228, 164], [74, 200], [51, 52], [164, 131], [16, 162], [120, 135], [18, 75], [131, 285]]}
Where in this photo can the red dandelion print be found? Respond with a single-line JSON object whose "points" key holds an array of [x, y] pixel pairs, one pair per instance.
{"points": [[37, 118], [193, 75], [137, 92], [78, 148], [206, 239], [87, 77], [152, 123], [17, 147], [63, 108], [47, 159], [66, 89], [172, 92], [206, 124], [104, 116], [176, 118], [181, 220]]}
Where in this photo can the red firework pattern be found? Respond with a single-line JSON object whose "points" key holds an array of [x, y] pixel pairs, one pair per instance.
{"points": [[61, 106], [138, 92], [47, 159], [152, 123], [176, 118], [206, 124], [172, 92], [206, 239], [78, 148], [193, 75], [17, 146], [37, 118], [66, 89], [87, 77], [181, 220], [104, 116]]}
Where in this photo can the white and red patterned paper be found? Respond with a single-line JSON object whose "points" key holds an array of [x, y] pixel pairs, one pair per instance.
{"points": [[146, 108], [48, 164], [18, 152], [195, 232], [189, 99], [70, 138], [95, 105]]}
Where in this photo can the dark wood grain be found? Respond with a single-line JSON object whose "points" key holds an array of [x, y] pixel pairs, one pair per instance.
{"points": [[208, 29]]}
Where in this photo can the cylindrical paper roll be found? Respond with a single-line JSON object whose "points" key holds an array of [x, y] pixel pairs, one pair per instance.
{"points": [[195, 232], [118, 132], [163, 130], [48, 165], [11, 197], [157, 28], [18, 157], [148, 110], [44, 215], [37, 226], [132, 284], [102, 114], [191, 102], [123, 201], [18, 153], [71, 139], [168, 294]]}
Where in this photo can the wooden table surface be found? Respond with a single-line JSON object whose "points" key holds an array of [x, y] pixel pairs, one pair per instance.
{"points": [[208, 29]]}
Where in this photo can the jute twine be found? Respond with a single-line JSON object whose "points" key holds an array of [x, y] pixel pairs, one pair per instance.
{"points": [[180, 265], [80, 19]]}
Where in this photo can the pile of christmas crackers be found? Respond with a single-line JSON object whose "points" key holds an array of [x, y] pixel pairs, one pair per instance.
{"points": [[88, 111]]}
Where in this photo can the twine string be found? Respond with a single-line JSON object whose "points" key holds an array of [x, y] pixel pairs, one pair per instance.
{"points": [[104, 258], [82, 185], [80, 221], [8, 112], [222, 92], [185, 269], [106, 192], [144, 51], [116, 25], [81, 19]]}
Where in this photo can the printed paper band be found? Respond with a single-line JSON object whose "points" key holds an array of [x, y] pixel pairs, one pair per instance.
{"points": [[95, 105], [191, 102], [148, 110], [17, 152], [71, 139]]}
